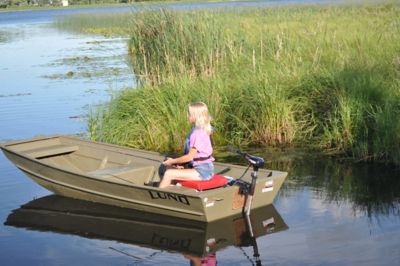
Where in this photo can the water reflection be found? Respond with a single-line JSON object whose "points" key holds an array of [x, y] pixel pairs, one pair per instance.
{"points": [[196, 241], [371, 188]]}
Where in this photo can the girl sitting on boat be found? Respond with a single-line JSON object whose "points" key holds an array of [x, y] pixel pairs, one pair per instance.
{"points": [[198, 149]]}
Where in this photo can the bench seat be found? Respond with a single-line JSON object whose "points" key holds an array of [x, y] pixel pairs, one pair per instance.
{"points": [[49, 151]]}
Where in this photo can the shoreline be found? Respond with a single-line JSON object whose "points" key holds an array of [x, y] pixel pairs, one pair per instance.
{"points": [[105, 5], [171, 2]]}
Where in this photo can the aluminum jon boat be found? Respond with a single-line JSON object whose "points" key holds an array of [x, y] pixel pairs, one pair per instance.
{"points": [[126, 177]]}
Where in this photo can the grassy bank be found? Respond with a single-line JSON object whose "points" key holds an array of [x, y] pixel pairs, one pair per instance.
{"points": [[322, 76]]}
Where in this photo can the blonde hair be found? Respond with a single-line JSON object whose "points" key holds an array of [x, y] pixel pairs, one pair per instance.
{"points": [[198, 111]]}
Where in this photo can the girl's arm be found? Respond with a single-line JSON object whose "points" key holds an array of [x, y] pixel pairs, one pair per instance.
{"points": [[183, 159]]}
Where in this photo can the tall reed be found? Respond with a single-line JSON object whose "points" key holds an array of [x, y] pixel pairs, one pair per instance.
{"points": [[325, 76], [167, 43]]}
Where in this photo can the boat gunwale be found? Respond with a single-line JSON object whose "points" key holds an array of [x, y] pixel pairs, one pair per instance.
{"points": [[125, 148], [193, 193], [118, 147]]}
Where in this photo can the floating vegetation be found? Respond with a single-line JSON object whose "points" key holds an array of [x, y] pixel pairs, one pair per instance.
{"points": [[15, 95], [70, 74], [90, 73], [89, 64], [8, 36]]}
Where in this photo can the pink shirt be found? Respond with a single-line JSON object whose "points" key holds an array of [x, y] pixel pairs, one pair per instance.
{"points": [[200, 140]]}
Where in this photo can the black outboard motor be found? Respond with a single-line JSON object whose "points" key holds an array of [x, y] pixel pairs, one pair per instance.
{"points": [[257, 163]]}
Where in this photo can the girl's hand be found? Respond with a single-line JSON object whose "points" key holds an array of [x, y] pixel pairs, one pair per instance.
{"points": [[168, 161]]}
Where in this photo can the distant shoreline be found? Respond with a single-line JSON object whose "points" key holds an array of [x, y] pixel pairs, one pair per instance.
{"points": [[141, 3]]}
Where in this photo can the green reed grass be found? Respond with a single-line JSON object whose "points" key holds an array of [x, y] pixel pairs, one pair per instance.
{"points": [[167, 43], [321, 76]]}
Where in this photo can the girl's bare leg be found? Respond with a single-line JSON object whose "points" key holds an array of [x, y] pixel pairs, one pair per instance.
{"points": [[179, 174]]}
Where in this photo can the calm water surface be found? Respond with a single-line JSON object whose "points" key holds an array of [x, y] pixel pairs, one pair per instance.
{"points": [[327, 213]]}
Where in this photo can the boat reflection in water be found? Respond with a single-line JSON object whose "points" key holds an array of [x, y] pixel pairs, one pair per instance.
{"points": [[194, 239]]}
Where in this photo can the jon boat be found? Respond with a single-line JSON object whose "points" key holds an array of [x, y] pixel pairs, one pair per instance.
{"points": [[126, 177], [98, 221]]}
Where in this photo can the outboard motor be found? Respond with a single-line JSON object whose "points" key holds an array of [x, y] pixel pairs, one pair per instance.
{"points": [[257, 163]]}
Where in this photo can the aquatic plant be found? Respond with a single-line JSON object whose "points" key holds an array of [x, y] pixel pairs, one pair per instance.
{"points": [[321, 76]]}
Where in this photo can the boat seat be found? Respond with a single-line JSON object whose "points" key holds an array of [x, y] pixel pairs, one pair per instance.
{"points": [[49, 151], [214, 182], [128, 173]]}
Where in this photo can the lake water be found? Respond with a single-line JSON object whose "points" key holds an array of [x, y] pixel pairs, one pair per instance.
{"points": [[327, 213]]}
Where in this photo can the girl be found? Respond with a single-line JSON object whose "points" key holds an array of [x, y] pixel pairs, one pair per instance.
{"points": [[198, 149]]}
